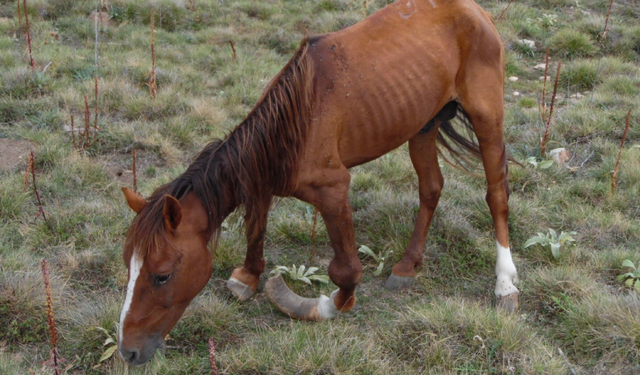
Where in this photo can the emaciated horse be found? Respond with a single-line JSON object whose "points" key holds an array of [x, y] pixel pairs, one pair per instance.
{"points": [[345, 98]]}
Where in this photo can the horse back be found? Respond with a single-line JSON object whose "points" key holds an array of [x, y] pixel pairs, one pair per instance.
{"points": [[378, 82]]}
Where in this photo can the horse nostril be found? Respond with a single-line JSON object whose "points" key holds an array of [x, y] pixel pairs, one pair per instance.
{"points": [[133, 355], [130, 355]]}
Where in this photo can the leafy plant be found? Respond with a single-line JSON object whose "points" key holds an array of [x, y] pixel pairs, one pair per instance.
{"points": [[539, 163], [630, 279], [301, 274], [553, 240], [111, 344], [379, 258], [547, 20]]}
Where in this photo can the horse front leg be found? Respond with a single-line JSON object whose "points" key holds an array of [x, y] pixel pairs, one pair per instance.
{"points": [[327, 190], [244, 280], [424, 156]]}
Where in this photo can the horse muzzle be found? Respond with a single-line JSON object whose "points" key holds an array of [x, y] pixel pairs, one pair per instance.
{"points": [[138, 355]]}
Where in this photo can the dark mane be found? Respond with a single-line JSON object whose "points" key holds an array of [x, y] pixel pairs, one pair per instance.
{"points": [[258, 159]]}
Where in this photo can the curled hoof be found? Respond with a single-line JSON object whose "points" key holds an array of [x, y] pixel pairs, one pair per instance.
{"points": [[398, 282], [297, 307], [239, 289], [507, 303]]}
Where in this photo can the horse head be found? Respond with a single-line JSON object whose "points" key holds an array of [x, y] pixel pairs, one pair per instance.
{"points": [[169, 264]]}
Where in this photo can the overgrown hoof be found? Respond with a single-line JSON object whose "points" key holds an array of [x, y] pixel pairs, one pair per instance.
{"points": [[507, 303], [399, 282], [239, 289], [297, 307]]}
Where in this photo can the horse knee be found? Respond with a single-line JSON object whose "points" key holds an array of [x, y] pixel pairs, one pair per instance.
{"points": [[430, 195], [497, 199]]}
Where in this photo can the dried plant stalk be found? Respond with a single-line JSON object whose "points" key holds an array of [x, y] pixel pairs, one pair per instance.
{"points": [[95, 120], [313, 234], [87, 123], [212, 357], [606, 22], [26, 19], [194, 10], [53, 333], [30, 166], [543, 103], [545, 138], [19, 15], [503, 12], [73, 135], [35, 188], [153, 87], [233, 49], [614, 180], [135, 174]]}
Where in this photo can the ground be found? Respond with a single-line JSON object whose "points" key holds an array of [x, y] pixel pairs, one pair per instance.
{"points": [[446, 323]]}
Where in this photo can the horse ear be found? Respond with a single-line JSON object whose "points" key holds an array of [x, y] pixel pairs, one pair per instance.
{"points": [[172, 212], [136, 202]]}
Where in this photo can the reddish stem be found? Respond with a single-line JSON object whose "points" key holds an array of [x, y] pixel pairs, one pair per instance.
{"points": [[503, 12], [545, 139], [135, 174], [614, 181], [87, 122], [233, 49], [26, 18], [606, 21]]}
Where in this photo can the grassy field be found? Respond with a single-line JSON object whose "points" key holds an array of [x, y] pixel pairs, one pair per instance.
{"points": [[445, 324]]}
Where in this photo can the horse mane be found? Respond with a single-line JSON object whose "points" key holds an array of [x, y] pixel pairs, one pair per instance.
{"points": [[257, 160]]}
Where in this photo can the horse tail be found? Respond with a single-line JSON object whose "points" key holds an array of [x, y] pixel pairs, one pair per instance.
{"points": [[456, 136]]}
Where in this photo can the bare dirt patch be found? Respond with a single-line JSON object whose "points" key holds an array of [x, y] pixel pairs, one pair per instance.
{"points": [[120, 167], [13, 153]]}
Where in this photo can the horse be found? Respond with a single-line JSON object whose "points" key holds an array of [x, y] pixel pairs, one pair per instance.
{"points": [[345, 98]]}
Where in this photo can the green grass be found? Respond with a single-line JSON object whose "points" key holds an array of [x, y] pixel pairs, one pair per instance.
{"points": [[445, 324]]}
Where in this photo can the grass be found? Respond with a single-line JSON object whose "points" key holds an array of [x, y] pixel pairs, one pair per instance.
{"points": [[445, 324]]}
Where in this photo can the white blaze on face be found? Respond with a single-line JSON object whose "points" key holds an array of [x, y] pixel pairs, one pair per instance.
{"points": [[134, 271], [505, 271]]}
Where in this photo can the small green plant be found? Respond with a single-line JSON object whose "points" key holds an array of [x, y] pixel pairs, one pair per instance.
{"points": [[562, 302], [547, 20], [379, 258], [553, 240], [630, 279], [111, 344], [301, 274], [539, 163]]}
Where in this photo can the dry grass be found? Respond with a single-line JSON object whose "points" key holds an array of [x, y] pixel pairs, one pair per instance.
{"points": [[444, 324]]}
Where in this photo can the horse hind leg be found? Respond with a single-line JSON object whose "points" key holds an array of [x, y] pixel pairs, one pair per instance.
{"points": [[484, 108], [423, 152]]}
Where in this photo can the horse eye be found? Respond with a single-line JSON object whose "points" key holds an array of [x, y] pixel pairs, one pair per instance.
{"points": [[161, 279]]}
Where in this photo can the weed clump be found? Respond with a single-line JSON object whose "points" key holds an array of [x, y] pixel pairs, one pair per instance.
{"points": [[571, 43]]}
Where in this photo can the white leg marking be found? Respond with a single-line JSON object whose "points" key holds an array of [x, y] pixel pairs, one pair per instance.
{"points": [[134, 271], [326, 307], [506, 272]]}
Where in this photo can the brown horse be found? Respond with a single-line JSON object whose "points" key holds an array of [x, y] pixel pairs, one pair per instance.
{"points": [[344, 99]]}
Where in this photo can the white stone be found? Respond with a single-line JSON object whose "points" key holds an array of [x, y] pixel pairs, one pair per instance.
{"points": [[540, 66], [527, 42], [513, 79], [515, 93], [541, 78], [559, 155]]}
